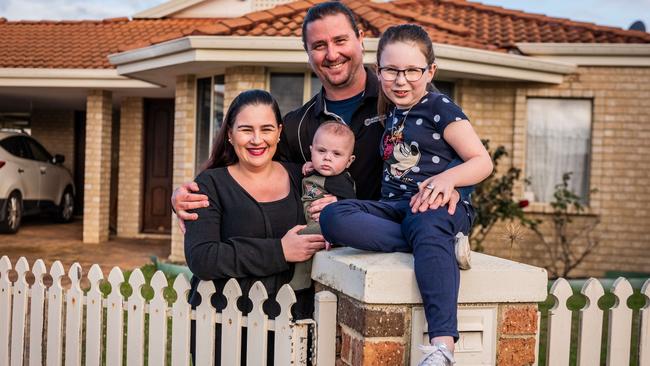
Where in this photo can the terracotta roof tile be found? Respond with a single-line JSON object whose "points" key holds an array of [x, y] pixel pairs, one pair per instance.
{"points": [[236, 23], [86, 44], [259, 16], [281, 10]]}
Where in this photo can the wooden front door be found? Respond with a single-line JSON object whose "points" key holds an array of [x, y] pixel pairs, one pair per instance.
{"points": [[158, 140]]}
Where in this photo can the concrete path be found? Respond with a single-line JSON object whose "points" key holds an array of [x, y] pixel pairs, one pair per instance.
{"points": [[40, 238]]}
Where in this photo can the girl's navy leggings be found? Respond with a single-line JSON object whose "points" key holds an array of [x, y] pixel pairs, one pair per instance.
{"points": [[389, 226]]}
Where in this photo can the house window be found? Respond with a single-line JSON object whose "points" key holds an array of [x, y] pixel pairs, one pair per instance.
{"points": [[288, 90], [558, 141], [209, 115], [292, 89]]}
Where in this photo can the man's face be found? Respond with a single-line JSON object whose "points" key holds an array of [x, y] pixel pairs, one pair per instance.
{"points": [[335, 52]]}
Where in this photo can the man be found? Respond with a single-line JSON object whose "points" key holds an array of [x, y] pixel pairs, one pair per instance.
{"points": [[334, 45]]}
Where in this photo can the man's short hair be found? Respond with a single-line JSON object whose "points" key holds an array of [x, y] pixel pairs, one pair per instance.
{"points": [[336, 128], [322, 10]]}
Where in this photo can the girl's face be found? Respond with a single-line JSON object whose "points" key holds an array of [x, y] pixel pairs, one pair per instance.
{"points": [[255, 135], [407, 58]]}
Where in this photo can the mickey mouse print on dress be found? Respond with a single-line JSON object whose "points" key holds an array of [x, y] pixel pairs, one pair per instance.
{"points": [[413, 148]]}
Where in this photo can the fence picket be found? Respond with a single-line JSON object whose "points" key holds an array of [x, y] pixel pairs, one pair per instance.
{"points": [[15, 298], [559, 325], [158, 321], [231, 325], [5, 309], [205, 325], [257, 331], [114, 319], [644, 334], [74, 317], [54, 338], [19, 313], [135, 326], [37, 308], [325, 316], [620, 325], [94, 318], [283, 353], [181, 323], [591, 324]]}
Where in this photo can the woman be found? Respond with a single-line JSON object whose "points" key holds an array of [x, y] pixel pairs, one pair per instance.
{"points": [[249, 229]]}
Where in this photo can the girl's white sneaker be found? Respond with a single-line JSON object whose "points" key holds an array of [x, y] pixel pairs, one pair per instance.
{"points": [[436, 355], [463, 251]]}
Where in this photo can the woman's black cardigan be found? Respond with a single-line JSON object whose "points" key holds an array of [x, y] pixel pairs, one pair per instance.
{"points": [[233, 237]]}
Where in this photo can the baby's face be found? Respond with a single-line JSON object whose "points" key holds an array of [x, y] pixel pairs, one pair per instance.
{"points": [[331, 154]]}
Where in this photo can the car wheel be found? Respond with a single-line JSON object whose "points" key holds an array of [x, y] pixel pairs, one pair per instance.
{"points": [[66, 208], [12, 215]]}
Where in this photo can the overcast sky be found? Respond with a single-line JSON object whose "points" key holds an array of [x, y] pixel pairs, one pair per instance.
{"points": [[619, 13]]}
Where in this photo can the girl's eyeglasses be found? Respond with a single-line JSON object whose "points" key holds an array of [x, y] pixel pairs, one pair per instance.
{"points": [[410, 74]]}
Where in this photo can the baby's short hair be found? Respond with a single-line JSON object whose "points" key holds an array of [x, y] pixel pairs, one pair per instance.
{"points": [[336, 128]]}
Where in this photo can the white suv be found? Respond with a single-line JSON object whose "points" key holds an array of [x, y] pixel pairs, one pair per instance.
{"points": [[31, 181]]}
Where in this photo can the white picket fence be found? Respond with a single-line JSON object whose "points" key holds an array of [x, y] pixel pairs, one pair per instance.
{"points": [[54, 316], [591, 323]]}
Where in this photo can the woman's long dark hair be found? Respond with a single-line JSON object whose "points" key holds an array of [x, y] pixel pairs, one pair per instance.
{"points": [[407, 33], [223, 153]]}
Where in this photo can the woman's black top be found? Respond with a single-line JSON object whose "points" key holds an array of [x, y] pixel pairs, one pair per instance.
{"points": [[238, 237]]}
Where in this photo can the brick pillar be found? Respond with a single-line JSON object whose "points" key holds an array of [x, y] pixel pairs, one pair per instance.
{"points": [[517, 334], [381, 320], [184, 149], [129, 199], [240, 78], [97, 180]]}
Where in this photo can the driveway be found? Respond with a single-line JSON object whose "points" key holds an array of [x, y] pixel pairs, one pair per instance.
{"points": [[39, 238]]}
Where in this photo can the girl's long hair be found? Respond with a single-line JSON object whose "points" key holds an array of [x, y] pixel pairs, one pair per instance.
{"points": [[407, 33], [223, 153]]}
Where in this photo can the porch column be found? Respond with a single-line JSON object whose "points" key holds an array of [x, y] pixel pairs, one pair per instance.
{"points": [[129, 188], [184, 149], [97, 180]]}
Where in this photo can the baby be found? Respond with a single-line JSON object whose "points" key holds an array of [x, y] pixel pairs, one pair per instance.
{"points": [[331, 155]]}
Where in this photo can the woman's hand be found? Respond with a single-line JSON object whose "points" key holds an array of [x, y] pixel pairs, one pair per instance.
{"points": [[434, 192], [183, 199], [307, 168], [299, 248], [317, 206]]}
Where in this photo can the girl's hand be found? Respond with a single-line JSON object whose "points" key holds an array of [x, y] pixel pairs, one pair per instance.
{"points": [[307, 168], [299, 248], [429, 190]]}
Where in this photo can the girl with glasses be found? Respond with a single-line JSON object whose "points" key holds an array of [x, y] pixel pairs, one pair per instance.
{"points": [[424, 132]]}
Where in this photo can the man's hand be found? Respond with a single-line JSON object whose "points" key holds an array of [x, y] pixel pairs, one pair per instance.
{"points": [[183, 199], [418, 204], [317, 206]]}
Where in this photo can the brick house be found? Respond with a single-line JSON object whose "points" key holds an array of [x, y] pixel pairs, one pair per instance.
{"points": [[133, 104]]}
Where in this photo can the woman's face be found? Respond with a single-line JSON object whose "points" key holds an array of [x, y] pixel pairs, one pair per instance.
{"points": [[255, 135]]}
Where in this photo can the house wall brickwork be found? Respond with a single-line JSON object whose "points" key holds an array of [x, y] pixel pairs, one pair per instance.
{"points": [[130, 176], [184, 149], [240, 78], [620, 160], [54, 129], [97, 180]]}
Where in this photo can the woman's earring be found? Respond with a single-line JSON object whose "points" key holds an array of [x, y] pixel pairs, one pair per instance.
{"points": [[230, 140]]}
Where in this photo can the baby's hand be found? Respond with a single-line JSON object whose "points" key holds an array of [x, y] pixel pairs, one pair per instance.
{"points": [[307, 168]]}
